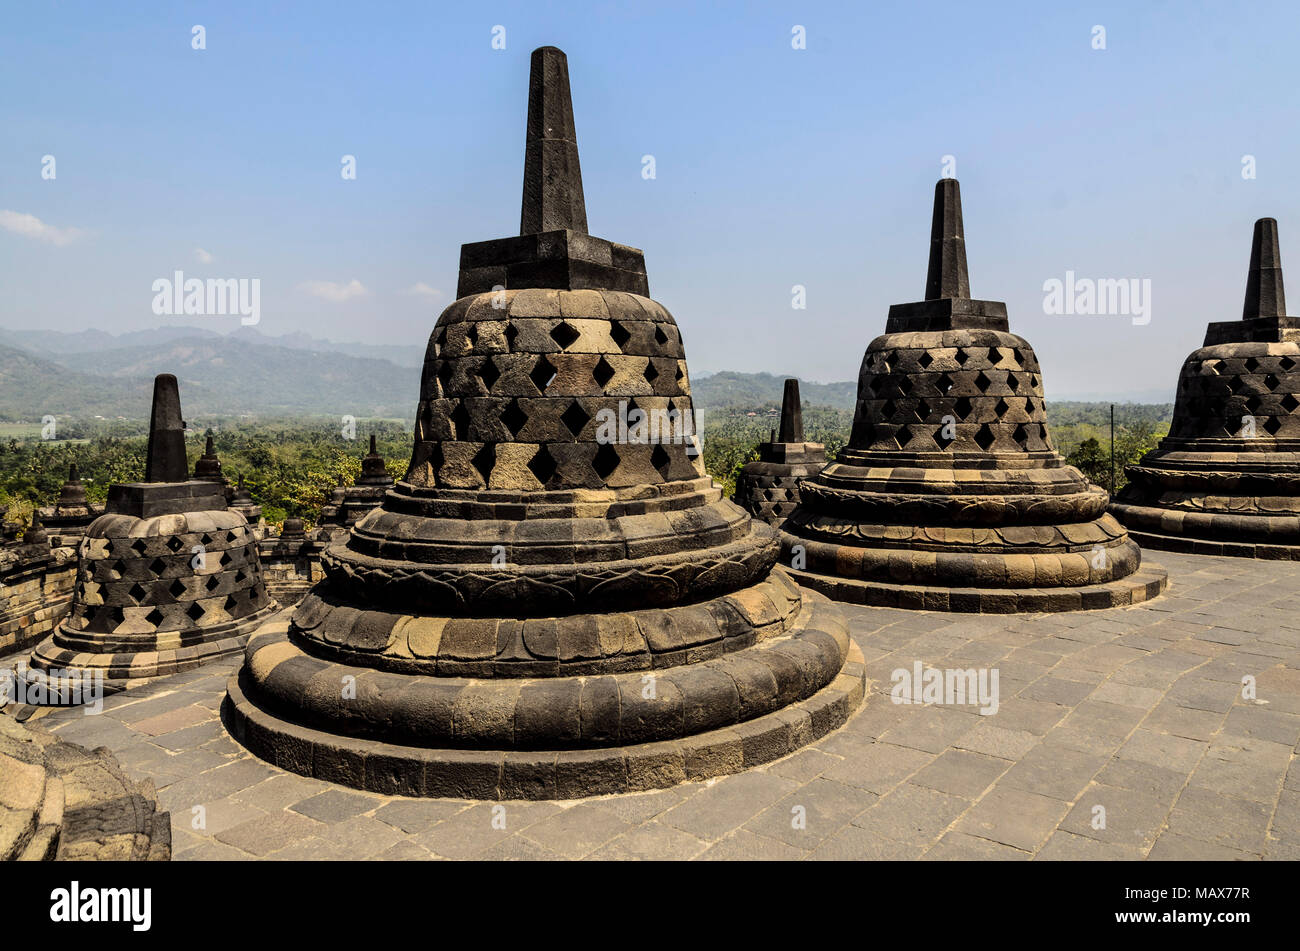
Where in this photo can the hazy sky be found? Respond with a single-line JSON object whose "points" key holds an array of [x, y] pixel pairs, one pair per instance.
{"points": [[774, 166]]}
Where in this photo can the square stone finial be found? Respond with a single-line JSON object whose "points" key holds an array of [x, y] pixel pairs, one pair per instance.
{"points": [[948, 304], [553, 249], [791, 413], [1263, 317], [166, 460], [1265, 296]]}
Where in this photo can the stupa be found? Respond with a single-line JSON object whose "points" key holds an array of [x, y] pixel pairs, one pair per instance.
{"points": [[242, 502], [1226, 480], [768, 487], [368, 491], [168, 577], [66, 520], [548, 604], [950, 495]]}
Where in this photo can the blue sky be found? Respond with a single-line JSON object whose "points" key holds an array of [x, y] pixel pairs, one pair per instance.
{"points": [[774, 166]]}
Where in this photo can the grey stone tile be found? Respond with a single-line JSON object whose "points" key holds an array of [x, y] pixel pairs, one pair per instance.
{"points": [[650, 841], [576, 832], [961, 773], [745, 846], [958, 846], [1014, 817]]}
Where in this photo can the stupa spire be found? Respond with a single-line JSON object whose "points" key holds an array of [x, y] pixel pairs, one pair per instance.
{"points": [[552, 177], [791, 413], [166, 455], [947, 276], [1264, 294]]}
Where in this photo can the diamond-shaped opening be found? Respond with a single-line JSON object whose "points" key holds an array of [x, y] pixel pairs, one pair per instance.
{"points": [[877, 382], [962, 357], [575, 418], [1286, 363], [984, 438], [445, 372], [542, 374], [225, 559], [460, 421], [1212, 366], [138, 546], [946, 435], [680, 372], [177, 588], [1289, 403], [137, 592], [1271, 382], [1001, 408], [1022, 435], [1238, 384], [922, 411], [1272, 425], [619, 334], [1251, 364], [195, 611], [1253, 404], [995, 356], [924, 360], [511, 333], [175, 544], [1013, 382], [905, 384], [155, 617], [489, 373], [603, 372], [888, 409], [963, 407], [542, 465], [514, 418], [484, 460], [660, 336], [564, 333], [232, 603], [471, 334], [158, 566], [651, 374], [944, 383], [983, 382], [605, 461], [660, 459]]}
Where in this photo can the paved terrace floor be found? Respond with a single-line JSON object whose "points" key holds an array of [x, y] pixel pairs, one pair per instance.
{"points": [[1136, 710]]}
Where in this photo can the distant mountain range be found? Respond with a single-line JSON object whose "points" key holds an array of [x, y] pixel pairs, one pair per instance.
{"points": [[95, 373]]}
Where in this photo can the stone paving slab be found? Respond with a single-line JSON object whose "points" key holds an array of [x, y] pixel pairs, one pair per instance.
{"points": [[1119, 734]]}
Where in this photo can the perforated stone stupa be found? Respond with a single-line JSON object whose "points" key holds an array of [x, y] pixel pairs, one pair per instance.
{"points": [[66, 520], [950, 495], [1226, 480], [768, 487], [548, 604], [167, 578]]}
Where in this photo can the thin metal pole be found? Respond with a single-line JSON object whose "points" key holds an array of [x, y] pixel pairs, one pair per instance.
{"points": [[1112, 448]]}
